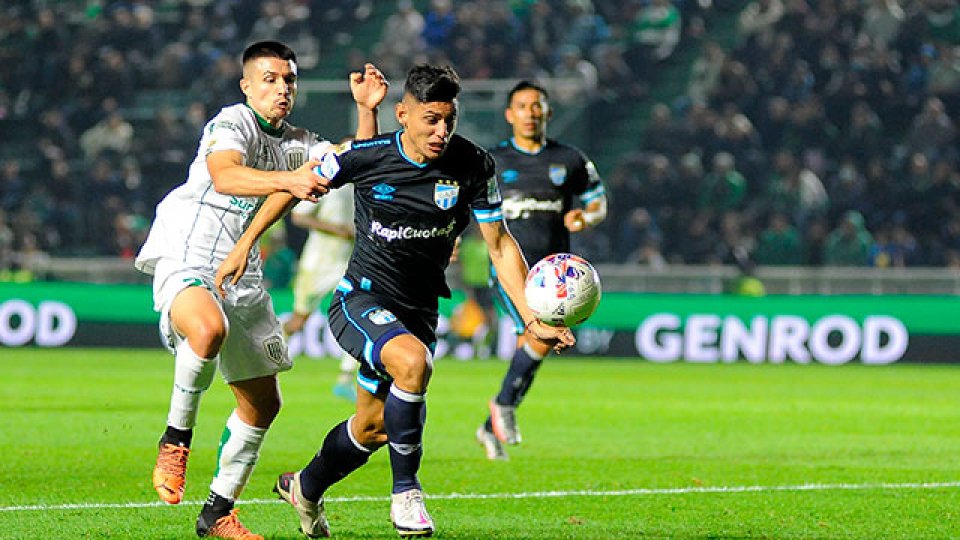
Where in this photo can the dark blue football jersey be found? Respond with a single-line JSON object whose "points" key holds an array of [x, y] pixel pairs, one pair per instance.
{"points": [[408, 214], [538, 189]]}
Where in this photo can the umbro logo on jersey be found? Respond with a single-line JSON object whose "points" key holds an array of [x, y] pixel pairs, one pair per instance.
{"points": [[446, 193], [383, 192]]}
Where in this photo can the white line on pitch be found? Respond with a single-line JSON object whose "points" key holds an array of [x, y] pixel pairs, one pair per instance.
{"points": [[529, 495]]}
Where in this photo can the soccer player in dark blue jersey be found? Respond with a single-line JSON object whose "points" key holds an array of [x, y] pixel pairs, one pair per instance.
{"points": [[540, 181], [414, 192]]}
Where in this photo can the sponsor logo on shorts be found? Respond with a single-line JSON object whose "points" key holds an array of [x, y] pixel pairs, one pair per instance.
{"points": [[275, 349], [381, 316]]}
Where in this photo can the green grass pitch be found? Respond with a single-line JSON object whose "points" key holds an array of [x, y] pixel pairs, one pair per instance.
{"points": [[612, 449]]}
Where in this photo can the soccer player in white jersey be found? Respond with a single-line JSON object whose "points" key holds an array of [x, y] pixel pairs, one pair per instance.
{"points": [[323, 261], [246, 152]]}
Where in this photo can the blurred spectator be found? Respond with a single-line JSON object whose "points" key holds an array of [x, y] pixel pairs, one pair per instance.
{"points": [[893, 246], [654, 34], [932, 132], [881, 21], [849, 243], [13, 187], [794, 190], [112, 134], [639, 240], [578, 77], [403, 31], [705, 72], [663, 134], [780, 243], [586, 28], [723, 187], [439, 23], [760, 16]]}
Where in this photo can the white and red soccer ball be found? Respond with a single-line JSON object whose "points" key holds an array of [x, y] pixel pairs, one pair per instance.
{"points": [[563, 289]]}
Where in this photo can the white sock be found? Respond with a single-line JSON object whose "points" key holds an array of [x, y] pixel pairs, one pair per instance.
{"points": [[238, 455], [192, 376]]}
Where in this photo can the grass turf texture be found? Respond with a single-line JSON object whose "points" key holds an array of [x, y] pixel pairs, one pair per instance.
{"points": [[80, 428]]}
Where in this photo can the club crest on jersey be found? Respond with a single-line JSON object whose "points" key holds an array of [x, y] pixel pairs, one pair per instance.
{"points": [[558, 174], [381, 316], [295, 158], [445, 193]]}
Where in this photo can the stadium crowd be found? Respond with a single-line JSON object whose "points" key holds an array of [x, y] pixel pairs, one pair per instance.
{"points": [[823, 136]]}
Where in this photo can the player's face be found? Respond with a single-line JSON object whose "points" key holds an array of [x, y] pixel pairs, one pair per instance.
{"points": [[427, 127], [270, 85], [528, 114]]}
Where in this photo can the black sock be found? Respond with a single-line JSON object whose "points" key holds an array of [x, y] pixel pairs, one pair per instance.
{"points": [[404, 415], [215, 507], [179, 437], [337, 458], [518, 379]]}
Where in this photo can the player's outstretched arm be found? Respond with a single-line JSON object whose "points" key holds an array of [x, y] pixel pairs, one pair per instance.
{"points": [[512, 270], [231, 177], [235, 264], [369, 88]]}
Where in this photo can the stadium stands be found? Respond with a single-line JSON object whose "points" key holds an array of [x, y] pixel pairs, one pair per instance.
{"points": [[770, 132]]}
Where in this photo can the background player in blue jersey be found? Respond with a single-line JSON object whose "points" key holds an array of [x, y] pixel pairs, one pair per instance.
{"points": [[414, 191], [540, 180]]}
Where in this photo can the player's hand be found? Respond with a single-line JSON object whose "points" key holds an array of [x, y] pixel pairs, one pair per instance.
{"points": [[574, 220], [306, 184], [559, 337], [369, 87], [231, 269]]}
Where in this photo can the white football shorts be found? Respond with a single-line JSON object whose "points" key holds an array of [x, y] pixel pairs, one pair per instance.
{"points": [[255, 346]]}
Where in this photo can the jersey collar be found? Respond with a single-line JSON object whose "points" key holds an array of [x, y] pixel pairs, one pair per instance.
{"points": [[405, 156], [265, 126], [513, 143]]}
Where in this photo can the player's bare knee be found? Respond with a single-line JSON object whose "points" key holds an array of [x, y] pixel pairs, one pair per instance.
{"points": [[411, 372], [206, 335]]}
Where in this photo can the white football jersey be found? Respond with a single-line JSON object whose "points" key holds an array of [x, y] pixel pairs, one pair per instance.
{"points": [[197, 226], [323, 250]]}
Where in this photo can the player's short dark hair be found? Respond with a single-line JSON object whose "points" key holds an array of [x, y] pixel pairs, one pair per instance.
{"points": [[268, 49], [428, 83], [527, 85]]}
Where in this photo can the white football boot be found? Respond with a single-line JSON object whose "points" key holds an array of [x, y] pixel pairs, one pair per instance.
{"points": [[313, 517], [409, 515], [504, 420]]}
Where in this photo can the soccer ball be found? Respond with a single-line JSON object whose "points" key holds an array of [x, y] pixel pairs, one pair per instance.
{"points": [[563, 289]]}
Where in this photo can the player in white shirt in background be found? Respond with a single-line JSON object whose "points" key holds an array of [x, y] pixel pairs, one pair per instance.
{"points": [[323, 262], [246, 152]]}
